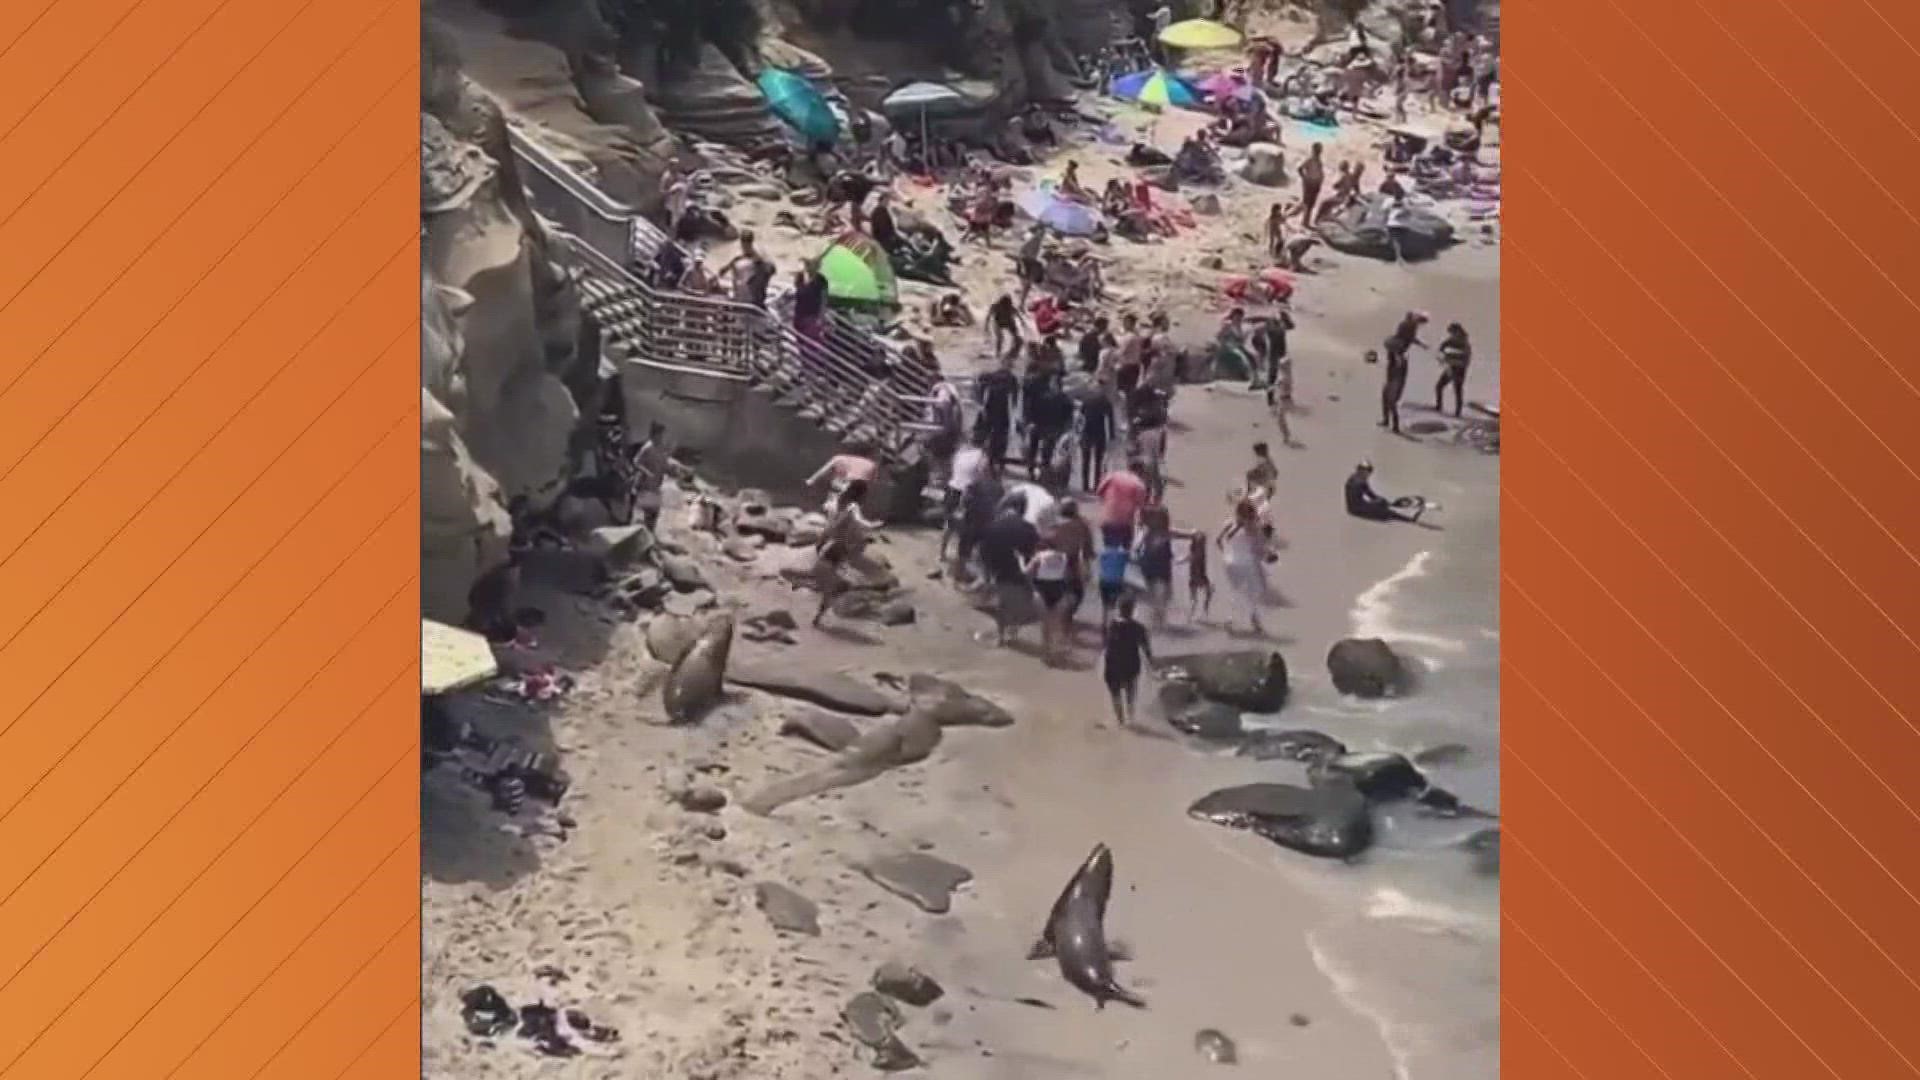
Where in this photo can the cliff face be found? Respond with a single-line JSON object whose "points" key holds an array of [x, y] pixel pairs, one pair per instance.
{"points": [[500, 342]]}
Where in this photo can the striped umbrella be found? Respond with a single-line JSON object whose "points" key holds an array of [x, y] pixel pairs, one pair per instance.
{"points": [[1156, 87]]}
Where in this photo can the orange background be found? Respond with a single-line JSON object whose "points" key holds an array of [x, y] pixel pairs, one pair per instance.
{"points": [[208, 384], [209, 312]]}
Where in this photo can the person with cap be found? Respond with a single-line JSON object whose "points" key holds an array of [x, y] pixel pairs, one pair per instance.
{"points": [[1404, 338], [1365, 503]]}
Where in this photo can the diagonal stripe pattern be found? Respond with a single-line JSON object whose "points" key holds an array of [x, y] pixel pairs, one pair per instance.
{"points": [[209, 560]]}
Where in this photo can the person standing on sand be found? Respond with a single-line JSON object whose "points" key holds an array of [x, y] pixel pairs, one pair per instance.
{"points": [[1455, 355], [1199, 584], [1005, 548], [1404, 338], [969, 462], [997, 391], [1003, 326], [1313, 173], [1126, 654], [1155, 555], [1097, 430]]}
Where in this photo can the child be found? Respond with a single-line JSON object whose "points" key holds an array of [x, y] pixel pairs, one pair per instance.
{"points": [[1126, 647], [1280, 398], [1049, 570], [1199, 585]]}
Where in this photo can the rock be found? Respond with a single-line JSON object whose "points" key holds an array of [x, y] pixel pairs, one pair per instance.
{"points": [[645, 587], [926, 881], [687, 605], [952, 705], [1299, 745], [829, 731], [683, 571], [1207, 205], [896, 613], [806, 530], [1444, 754], [1485, 848], [1252, 680], [671, 637], [1330, 821], [1215, 1047], [828, 689], [1366, 667], [872, 1018], [787, 910], [620, 545], [742, 548], [1383, 777], [1361, 229], [909, 984], [777, 619], [701, 799], [1441, 803], [1266, 165]]}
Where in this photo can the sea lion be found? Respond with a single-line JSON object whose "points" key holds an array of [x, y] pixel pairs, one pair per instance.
{"points": [[903, 742], [1215, 1047], [1075, 933], [694, 684]]}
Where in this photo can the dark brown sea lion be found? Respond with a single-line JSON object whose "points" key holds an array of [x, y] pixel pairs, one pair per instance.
{"points": [[1076, 936], [694, 685]]}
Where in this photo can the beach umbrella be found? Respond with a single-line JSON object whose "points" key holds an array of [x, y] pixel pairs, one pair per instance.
{"points": [[921, 98], [451, 658], [1065, 216], [859, 271], [1156, 87], [798, 102], [1200, 34]]}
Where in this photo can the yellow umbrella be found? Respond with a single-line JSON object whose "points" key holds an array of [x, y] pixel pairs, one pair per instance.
{"points": [[451, 658], [1200, 34]]}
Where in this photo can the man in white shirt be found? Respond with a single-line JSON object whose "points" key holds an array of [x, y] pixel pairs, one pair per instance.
{"points": [[968, 463]]}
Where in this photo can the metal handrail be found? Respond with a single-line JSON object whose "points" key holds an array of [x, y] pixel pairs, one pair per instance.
{"points": [[847, 372]]}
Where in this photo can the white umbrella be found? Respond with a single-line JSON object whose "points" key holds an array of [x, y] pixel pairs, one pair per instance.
{"points": [[924, 98]]}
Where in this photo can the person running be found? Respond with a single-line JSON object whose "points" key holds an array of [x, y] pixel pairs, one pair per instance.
{"points": [[1155, 555], [1003, 322], [1199, 584], [1455, 354], [842, 470], [997, 391], [1245, 546], [1313, 173], [978, 509], [1264, 476], [1005, 549], [841, 542], [1123, 493], [1050, 571], [1126, 654]]}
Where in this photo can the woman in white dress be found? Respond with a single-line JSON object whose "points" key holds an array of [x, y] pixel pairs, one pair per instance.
{"points": [[1244, 543]]}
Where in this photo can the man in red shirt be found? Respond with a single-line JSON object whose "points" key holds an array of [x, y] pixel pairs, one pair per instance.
{"points": [[1123, 493]]}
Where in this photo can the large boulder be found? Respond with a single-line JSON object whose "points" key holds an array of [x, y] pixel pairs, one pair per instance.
{"points": [[1366, 667], [1307, 747], [1182, 706], [1361, 229], [1331, 821], [1266, 165], [1252, 680], [1380, 776]]}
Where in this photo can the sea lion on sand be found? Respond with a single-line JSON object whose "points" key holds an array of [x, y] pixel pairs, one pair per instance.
{"points": [[1330, 821], [1076, 935], [694, 684], [903, 742], [1215, 1047]]}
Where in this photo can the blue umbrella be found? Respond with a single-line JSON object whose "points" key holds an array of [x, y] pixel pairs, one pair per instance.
{"points": [[1156, 87], [795, 100]]}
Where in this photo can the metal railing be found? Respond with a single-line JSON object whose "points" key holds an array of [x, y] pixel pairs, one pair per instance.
{"points": [[849, 381]]}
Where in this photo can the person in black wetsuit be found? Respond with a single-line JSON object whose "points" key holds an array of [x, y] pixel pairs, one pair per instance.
{"points": [[1040, 413], [997, 391], [1094, 343], [1097, 429], [1404, 338], [1126, 653], [1364, 502]]}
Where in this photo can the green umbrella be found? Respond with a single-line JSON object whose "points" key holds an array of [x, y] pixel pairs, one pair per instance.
{"points": [[858, 271], [795, 100]]}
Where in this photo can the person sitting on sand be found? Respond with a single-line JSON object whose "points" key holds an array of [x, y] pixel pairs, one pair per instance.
{"points": [[1125, 655], [1365, 503], [1070, 186], [949, 311]]}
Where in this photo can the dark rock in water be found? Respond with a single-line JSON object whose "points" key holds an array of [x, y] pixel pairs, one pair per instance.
{"points": [[1331, 821], [829, 731], [1444, 754], [788, 910], [1366, 667], [1299, 745], [1383, 777], [909, 984], [872, 1018], [952, 705], [702, 799], [1252, 680], [1215, 1047], [1439, 802], [1209, 720], [683, 571], [926, 881], [828, 689], [1361, 229], [1485, 849]]}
